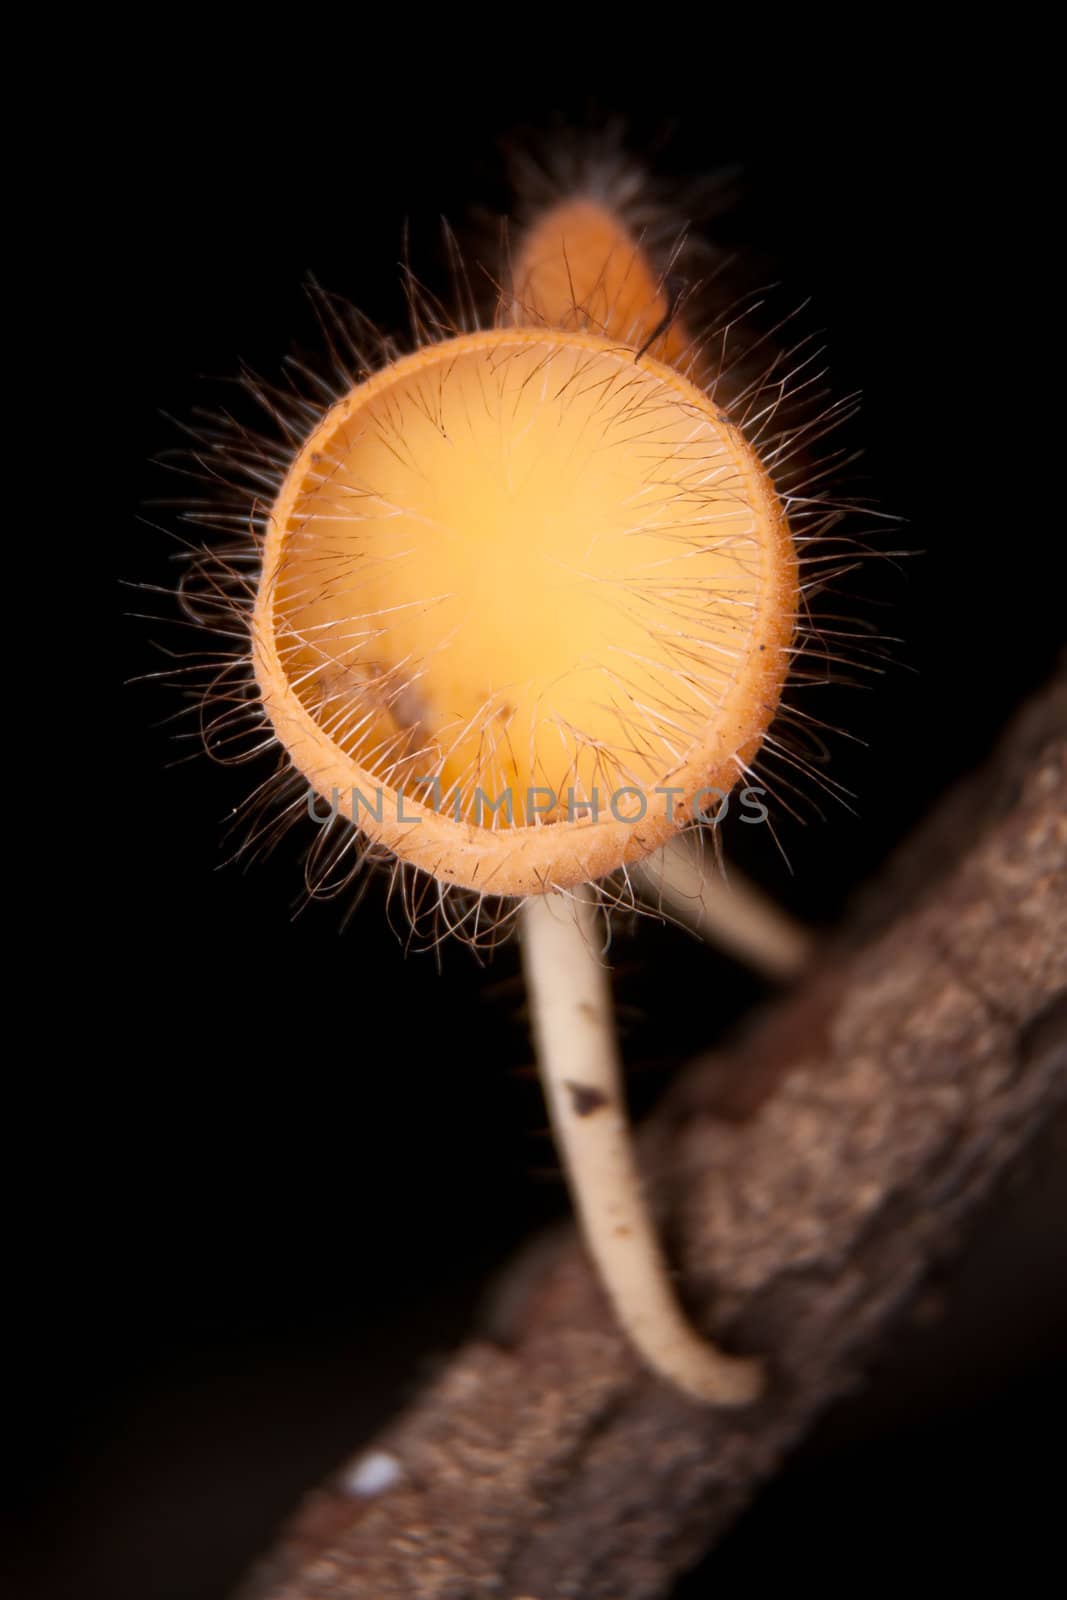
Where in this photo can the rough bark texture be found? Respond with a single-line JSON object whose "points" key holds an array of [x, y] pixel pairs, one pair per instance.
{"points": [[808, 1178]]}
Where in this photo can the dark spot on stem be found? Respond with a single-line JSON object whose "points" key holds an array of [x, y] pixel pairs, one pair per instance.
{"points": [[585, 1099]]}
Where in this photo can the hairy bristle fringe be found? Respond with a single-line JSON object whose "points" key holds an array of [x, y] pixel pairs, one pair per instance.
{"points": [[230, 468]]}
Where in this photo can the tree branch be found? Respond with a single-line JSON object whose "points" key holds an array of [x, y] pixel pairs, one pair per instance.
{"points": [[880, 1103]]}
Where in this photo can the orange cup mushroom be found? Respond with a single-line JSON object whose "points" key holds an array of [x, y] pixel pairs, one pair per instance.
{"points": [[526, 604]]}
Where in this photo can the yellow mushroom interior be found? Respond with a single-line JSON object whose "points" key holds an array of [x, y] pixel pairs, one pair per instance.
{"points": [[523, 569]]}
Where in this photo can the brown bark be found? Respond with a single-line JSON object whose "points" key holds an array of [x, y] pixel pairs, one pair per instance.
{"points": [[808, 1178]]}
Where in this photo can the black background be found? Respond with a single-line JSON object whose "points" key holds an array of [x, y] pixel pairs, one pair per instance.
{"points": [[298, 1157]]}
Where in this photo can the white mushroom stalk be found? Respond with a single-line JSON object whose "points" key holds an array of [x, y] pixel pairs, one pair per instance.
{"points": [[574, 1029], [729, 912]]}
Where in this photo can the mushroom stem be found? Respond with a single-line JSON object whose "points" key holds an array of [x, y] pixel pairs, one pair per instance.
{"points": [[570, 1000], [732, 913]]}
